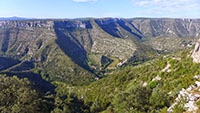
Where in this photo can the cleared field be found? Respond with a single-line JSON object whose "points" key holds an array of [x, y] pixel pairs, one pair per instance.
{"points": [[114, 63]]}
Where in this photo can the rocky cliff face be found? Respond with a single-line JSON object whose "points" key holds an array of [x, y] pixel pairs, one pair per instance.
{"points": [[74, 46], [27, 24], [168, 27], [121, 28], [196, 52]]}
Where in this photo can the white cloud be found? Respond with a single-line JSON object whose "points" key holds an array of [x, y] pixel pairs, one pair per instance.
{"points": [[84, 0], [167, 3], [173, 7]]}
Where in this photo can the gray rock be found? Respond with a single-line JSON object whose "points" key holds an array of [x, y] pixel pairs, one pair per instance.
{"points": [[196, 52]]}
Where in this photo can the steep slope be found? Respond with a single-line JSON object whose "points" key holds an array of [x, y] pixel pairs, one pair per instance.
{"points": [[169, 44], [196, 52], [167, 27], [35, 42], [94, 40], [168, 34], [74, 54], [68, 50], [155, 83], [18, 95], [64, 49], [119, 28]]}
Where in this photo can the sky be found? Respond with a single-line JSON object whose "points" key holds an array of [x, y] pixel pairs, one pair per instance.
{"points": [[100, 8]]}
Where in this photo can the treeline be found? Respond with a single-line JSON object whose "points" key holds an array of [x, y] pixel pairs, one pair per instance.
{"points": [[125, 91], [18, 96], [133, 89]]}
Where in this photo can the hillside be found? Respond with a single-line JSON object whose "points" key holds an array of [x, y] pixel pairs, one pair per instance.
{"points": [[100, 65], [68, 50], [149, 87], [167, 27]]}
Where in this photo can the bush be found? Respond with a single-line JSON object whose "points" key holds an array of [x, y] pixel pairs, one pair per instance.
{"points": [[153, 84], [17, 96], [136, 99]]}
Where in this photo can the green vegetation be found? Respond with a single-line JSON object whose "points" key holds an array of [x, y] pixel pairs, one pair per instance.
{"points": [[198, 104], [135, 99], [72, 67], [123, 91], [18, 96], [140, 99], [114, 63], [105, 61], [181, 73]]}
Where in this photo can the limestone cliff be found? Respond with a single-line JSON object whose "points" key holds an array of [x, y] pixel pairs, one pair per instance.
{"points": [[196, 52], [67, 47]]}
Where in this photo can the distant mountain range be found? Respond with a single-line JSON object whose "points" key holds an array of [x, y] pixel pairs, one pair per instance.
{"points": [[24, 18], [14, 18]]}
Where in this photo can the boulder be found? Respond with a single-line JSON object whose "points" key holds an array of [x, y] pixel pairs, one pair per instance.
{"points": [[197, 83]]}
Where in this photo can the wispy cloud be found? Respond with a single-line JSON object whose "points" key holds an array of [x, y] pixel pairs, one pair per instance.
{"points": [[84, 0], [161, 7], [167, 3]]}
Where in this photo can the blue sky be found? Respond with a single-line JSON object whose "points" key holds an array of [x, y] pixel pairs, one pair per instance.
{"points": [[100, 8]]}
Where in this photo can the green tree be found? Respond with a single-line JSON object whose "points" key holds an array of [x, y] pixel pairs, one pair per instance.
{"points": [[159, 98], [134, 100], [17, 96]]}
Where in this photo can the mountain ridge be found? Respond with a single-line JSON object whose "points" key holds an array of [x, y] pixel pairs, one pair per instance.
{"points": [[83, 43], [102, 65], [170, 25]]}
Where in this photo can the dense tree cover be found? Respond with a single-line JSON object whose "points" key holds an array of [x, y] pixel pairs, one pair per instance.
{"points": [[122, 92], [69, 104], [119, 89], [133, 100], [17, 96], [140, 99]]}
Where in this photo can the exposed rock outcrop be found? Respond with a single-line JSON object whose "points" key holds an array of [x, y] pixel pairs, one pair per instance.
{"points": [[196, 52], [79, 41], [138, 27], [168, 27], [26, 24], [187, 98]]}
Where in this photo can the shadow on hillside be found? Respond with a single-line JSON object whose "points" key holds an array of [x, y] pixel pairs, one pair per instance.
{"points": [[5, 41], [36, 79], [124, 26], [6, 63], [110, 27], [23, 66], [72, 48]]}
